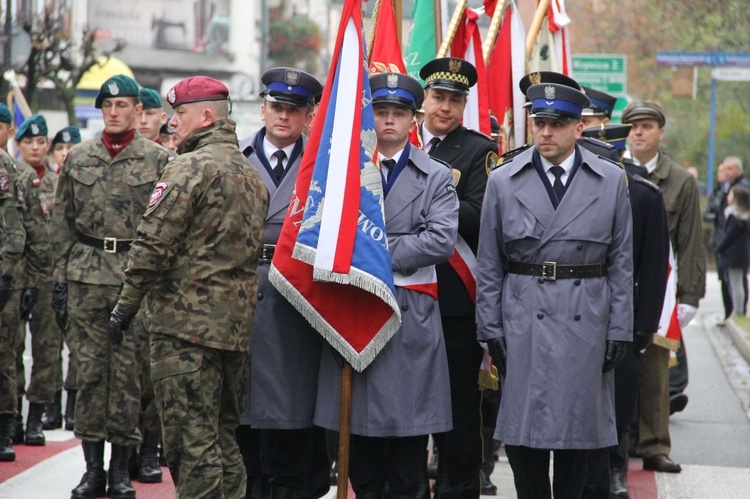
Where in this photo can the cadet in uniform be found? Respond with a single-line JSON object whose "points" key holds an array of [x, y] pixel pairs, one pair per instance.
{"points": [[166, 135], [33, 143], [403, 395], [62, 142], [650, 272], [471, 155], [283, 443], [681, 199], [554, 295], [600, 108], [12, 239], [102, 192], [197, 251]]}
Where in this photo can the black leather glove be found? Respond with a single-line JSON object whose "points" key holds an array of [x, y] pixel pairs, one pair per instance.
{"points": [[641, 340], [119, 322], [614, 354], [6, 284], [60, 304], [28, 301], [499, 353]]}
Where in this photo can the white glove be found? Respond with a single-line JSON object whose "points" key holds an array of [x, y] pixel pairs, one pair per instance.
{"points": [[685, 314]]}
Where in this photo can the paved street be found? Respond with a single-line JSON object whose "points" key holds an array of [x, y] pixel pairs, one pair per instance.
{"points": [[711, 438]]}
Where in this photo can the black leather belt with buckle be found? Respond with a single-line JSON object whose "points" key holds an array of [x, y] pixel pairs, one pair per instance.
{"points": [[551, 271], [266, 253], [108, 244]]}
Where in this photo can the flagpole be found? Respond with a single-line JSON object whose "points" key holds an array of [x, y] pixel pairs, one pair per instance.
{"points": [[398, 12], [489, 41], [371, 38], [437, 9], [536, 25], [452, 28], [345, 423]]}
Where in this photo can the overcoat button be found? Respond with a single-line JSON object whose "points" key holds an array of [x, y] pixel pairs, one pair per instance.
{"points": [[540, 316], [578, 282], [540, 280], [404, 307], [579, 247], [577, 317]]}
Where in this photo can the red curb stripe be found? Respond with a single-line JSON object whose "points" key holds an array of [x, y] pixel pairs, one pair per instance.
{"points": [[642, 483]]}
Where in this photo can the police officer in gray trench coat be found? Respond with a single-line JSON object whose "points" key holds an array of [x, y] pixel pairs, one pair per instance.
{"points": [[404, 395], [282, 445], [554, 295]]}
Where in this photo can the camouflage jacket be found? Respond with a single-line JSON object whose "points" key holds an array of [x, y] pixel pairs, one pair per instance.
{"points": [[12, 234], [39, 195], [199, 242], [102, 197]]}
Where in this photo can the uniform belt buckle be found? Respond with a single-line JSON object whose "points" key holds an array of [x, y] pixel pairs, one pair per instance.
{"points": [[267, 252], [110, 245], [549, 271]]}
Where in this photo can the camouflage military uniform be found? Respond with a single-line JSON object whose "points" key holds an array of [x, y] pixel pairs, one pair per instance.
{"points": [[99, 202], [33, 266], [46, 338], [12, 240], [197, 251]]}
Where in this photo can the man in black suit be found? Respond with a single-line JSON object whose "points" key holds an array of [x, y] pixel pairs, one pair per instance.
{"points": [[472, 156], [650, 271]]}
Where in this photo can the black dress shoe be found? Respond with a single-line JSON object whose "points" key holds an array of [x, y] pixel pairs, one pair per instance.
{"points": [[618, 484], [634, 452], [662, 463], [677, 402]]}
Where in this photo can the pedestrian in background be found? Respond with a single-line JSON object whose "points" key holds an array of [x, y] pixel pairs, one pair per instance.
{"points": [[732, 247]]}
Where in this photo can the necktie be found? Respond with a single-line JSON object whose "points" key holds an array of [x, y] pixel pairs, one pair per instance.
{"points": [[278, 168], [558, 186], [390, 164], [432, 144]]}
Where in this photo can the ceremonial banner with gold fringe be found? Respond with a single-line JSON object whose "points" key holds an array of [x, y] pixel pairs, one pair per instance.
{"points": [[332, 261]]}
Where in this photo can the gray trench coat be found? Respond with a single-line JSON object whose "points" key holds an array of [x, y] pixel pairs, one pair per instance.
{"points": [[405, 391], [284, 348], [555, 395]]}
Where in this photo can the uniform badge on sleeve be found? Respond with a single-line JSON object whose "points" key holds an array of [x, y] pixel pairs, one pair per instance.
{"points": [[491, 161], [456, 176], [157, 194], [4, 181]]}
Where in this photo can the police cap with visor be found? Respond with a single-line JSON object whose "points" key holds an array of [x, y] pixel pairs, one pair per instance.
{"points": [[396, 88], [602, 104], [449, 73], [290, 86], [559, 102]]}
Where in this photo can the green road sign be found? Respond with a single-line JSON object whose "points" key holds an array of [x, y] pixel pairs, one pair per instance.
{"points": [[605, 72]]}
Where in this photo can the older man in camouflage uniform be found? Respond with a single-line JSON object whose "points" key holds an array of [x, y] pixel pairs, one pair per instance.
{"points": [[198, 248], [12, 237], [103, 190]]}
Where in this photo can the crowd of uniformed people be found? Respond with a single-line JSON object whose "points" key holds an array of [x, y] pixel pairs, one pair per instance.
{"points": [[146, 251]]}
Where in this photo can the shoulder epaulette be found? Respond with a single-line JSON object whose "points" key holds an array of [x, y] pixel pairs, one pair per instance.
{"points": [[644, 181], [480, 134], [508, 155], [444, 163], [598, 142]]}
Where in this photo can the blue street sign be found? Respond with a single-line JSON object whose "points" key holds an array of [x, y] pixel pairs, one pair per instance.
{"points": [[703, 59]]}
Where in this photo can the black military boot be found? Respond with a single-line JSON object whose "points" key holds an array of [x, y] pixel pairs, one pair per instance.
{"points": [[119, 478], [52, 419], [94, 481], [17, 434], [7, 422], [149, 470], [70, 410], [34, 433]]}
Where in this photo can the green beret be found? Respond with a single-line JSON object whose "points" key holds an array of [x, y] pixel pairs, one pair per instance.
{"points": [[68, 135], [116, 86], [5, 115], [33, 126], [150, 99]]}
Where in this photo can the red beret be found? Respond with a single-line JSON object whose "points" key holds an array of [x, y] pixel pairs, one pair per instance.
{"points": [[196, 89]]}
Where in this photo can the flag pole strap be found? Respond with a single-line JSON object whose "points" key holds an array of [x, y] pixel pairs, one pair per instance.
{"points": [[345, 423], [452, 28], [489, 41], [536, 25]]}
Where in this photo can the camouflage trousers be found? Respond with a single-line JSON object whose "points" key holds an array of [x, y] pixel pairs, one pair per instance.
{"points": [[46, 342], [109, 390], [10, 338], [149, 419], [200, 394], [71, 378]]}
